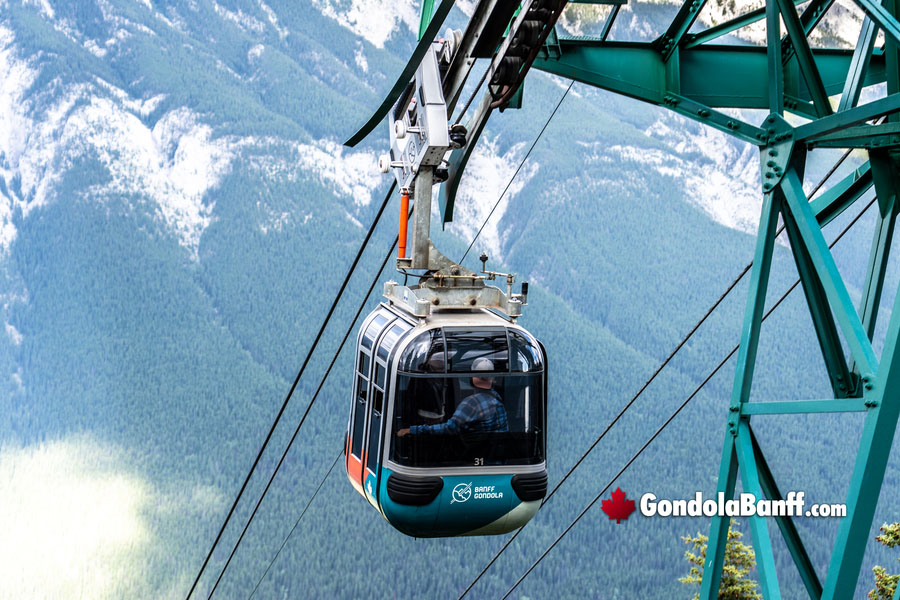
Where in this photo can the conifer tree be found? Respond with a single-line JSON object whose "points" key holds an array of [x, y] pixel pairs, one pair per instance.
{"points": [[739, 561], [886, 585]]}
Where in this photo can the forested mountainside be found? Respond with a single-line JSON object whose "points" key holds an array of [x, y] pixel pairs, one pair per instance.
{"points": [[176, 214]]}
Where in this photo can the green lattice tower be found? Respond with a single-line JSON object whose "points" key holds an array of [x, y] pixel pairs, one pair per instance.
{"points": [[694, 78], [692, 75]]}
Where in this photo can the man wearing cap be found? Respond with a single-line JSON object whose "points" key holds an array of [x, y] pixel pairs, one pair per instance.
{"points": [[480, 412]]}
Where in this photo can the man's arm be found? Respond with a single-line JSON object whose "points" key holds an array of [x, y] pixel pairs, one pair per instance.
{"points": [[464, 413]]}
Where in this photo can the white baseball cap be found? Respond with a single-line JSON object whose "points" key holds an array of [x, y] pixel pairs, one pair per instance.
{"points": [[482, 364]]}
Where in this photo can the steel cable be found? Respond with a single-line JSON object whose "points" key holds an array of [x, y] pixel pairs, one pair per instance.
{"points": [[519, 168], [293, 387], [306, 412], [673, 415], [656, 372], [291, 532]]}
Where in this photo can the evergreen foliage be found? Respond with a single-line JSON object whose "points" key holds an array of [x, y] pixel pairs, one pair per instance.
{"points": [[740, 560], [885, 584]]}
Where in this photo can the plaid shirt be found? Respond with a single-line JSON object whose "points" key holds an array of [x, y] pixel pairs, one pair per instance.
{"points": [[482, 411]]}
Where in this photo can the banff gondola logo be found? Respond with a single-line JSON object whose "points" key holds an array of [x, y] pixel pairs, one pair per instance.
{"points": [[464, 491]]}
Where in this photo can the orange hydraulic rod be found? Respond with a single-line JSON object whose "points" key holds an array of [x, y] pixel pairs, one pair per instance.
{"points": [[404, 217]]}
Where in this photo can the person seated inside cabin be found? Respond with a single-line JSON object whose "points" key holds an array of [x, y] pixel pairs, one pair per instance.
{"points": [[429, 394], [480, 412]]}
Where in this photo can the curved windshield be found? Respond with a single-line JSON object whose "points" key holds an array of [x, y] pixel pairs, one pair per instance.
{"points": [[480, 418]]}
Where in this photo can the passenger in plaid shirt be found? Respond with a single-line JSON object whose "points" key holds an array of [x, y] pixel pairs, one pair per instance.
{"points": [[482, 411]]}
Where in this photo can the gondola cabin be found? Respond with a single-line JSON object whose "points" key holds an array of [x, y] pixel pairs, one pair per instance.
{"points": [[447, 427]]}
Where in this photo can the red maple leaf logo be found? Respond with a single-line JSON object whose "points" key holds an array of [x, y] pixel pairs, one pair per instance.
{"points": [[618, 508]]}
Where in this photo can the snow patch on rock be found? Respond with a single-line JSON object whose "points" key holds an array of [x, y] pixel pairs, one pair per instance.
{"points": [[349, 174], [487, 174], [720, 176], [360, 57], [13, 334], [137, 106], [244, 21], [374, 20], [273, 19], [173, 164], [272, 220], [255, 52]]}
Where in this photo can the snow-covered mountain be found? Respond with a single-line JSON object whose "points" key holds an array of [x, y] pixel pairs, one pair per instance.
{"points": [[176, 212]]}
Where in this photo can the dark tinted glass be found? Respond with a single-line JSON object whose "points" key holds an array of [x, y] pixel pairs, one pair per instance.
{"points": [[526, 354], [373, 330], [425, 354], [359, 416], [374, 430], [465, 347], [454, 424], [363, 365], [389, 340]]}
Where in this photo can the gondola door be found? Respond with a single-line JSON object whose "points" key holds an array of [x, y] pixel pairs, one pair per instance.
{"points": [[379, 385], [362, 392]]}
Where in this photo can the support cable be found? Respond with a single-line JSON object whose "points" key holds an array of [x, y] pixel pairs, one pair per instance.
{"points": [[387, 257], [671, 417], [288, 536], [305, 413], [265, 491], [519, 168], [290, 393], [468, 103], [647, 383]]}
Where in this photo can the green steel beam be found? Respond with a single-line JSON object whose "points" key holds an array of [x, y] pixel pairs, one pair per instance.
{"points": [[882, 136], [805, 59], [795, 407], [671, 39], [858, 67], [685, 73], [713, 75], [774, 68], [882, 17], [746, 360], [823, 322], [718, 529], [759, 527], [831, 203], [884, 170], [892, 57], [811, 16], [608, 24], [756, 301], [868, 471], [786, 524], [707, 35], [799, 107], [709, 116], [835, 290], [630, 69], [854, 116]]}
